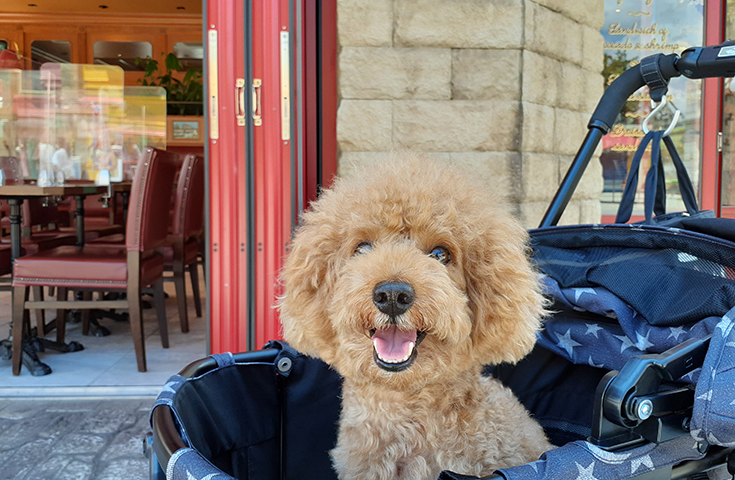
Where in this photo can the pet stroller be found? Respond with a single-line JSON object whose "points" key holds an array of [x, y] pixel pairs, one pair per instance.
{"points": [[633, 375]]}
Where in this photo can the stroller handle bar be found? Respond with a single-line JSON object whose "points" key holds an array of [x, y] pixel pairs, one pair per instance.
{"points": [[654, 71]]}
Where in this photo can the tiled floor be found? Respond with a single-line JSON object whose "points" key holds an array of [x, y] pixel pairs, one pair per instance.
{"points": [[107, 367]]}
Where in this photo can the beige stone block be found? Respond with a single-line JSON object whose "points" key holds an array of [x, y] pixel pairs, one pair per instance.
{"points": [[573, 87], [571, 214], [492, 169], [480, 74], [594, 88], [459, 23], [591, 183], [395, 73], [531, 213], [351, 162], [590, 211], [579, 89], [541, 79], [586, 12], [552, 34], [539, 176], [361, 23], [581, 212], [592, 49], [538, 128], [570, 128], [455, 126], [364, 125]]}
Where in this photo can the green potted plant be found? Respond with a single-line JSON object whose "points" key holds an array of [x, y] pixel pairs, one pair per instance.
{"points": [[183, 97]]}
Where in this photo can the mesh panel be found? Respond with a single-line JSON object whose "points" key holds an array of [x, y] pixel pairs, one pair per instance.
{"points": [[669, 276]]}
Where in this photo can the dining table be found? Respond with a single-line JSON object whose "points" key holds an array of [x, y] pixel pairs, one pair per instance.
{"points": [[15, 194]]}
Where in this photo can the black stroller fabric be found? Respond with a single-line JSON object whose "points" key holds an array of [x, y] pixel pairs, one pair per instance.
{"points": [[254, 421]]}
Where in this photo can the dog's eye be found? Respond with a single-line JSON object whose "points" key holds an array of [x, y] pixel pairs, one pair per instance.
{"points": [[362, 248], [441, 254]]}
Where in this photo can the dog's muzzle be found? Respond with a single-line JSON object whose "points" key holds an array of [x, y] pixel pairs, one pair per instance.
{"points": [[394, 348]]}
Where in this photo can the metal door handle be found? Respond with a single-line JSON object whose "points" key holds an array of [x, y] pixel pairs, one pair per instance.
{"points": [[240, 101], [257, 115]]}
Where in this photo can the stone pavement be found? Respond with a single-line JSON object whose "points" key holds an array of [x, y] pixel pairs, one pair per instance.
{"points": [[73, 438]]}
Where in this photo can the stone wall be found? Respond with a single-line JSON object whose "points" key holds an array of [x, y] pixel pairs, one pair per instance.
{"points": [[503, 87]]}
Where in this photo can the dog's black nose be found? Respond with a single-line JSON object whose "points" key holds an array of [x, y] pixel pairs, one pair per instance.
{"points": [[393, 298]]}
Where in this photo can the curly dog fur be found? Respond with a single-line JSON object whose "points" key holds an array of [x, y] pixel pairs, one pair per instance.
{"points": [[414, 400]]}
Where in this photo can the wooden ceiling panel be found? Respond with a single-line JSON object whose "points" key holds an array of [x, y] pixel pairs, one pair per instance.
{"points": [[113, 7]]}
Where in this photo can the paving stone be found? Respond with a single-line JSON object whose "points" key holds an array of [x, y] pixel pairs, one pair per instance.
{"points": [[73, 439], [107, 420], [129, 468], [81, 443], [77, 469], [24, 459]]}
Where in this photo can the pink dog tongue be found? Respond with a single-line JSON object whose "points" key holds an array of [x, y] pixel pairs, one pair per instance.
{"points": [[391, 343]]}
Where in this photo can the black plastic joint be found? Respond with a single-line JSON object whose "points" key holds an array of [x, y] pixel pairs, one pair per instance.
{"points": [[600, 125], [651, 73]]}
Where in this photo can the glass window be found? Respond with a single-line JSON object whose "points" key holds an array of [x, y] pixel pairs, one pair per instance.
{"points": [[634, 30], [50, 51], [122, 54], [189, 54], [3, 45]]}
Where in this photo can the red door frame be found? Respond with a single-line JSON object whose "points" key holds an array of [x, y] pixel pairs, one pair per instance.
{"points": [[711, 177], [252, 195]]}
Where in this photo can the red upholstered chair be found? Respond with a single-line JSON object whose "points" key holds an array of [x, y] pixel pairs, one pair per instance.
{"points": [[181, 250], [131, 267]]}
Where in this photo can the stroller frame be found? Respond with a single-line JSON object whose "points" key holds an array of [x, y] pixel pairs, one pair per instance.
{"points": [[628, 408]]}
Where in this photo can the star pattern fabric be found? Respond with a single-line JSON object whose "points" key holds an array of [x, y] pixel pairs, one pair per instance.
{"points": [[582, 332], [713, 417], [584, 461], [189, 464]]}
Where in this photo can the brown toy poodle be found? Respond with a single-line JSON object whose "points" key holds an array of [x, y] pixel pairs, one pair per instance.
{"points": [[407, 279]]}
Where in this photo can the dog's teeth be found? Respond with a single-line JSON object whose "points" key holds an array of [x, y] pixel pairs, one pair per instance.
{"points": [[411, 346]]}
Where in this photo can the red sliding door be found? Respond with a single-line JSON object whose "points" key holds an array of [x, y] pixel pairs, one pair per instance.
{"points": [[271, 145]]}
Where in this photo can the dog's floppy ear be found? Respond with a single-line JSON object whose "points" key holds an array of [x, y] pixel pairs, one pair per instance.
{"points": [[504, 294], [308, 276]]}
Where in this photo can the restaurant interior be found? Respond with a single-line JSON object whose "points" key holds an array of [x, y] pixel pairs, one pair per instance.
{"points": [[101, 196]]}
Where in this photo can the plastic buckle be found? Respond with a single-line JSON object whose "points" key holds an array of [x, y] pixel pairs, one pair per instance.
{"points": [[629, 408]]}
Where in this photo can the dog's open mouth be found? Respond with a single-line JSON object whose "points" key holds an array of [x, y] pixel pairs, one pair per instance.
{"points": [[394, 349]]}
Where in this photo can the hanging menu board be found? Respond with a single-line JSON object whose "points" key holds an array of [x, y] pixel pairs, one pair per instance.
{"points": [[635, 29]]}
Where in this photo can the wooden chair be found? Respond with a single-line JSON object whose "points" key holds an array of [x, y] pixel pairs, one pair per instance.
{"points": [[137, 264], [181, 250]]}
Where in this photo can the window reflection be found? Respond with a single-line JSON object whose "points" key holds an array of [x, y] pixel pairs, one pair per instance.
{"points": [[190, 54], [49, 51], [634, 30], [122, 54]]}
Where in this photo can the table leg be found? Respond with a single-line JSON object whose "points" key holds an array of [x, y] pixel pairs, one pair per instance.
{"points": [[79, 212], [126, 202], [15, 238]]}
